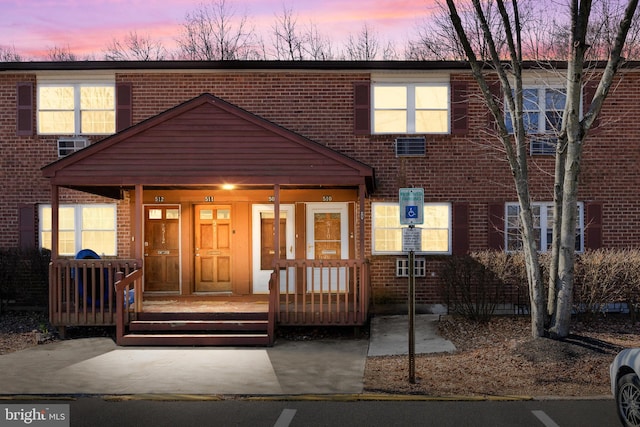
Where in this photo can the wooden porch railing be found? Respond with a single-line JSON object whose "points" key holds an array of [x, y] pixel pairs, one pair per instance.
{"points": [[320, 292], [125, 306], [81, 291]]}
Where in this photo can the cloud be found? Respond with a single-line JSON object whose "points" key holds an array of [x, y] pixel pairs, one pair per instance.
{"points": [[34, 26]]}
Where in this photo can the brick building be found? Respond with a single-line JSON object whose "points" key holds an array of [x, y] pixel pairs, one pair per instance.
{"points": [[179, 167]]}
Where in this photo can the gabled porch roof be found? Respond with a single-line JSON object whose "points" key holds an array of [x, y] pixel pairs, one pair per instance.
{"points": [[205, 141]]}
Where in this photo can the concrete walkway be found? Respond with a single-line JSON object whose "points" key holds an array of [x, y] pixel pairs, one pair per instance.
{"points": [[98, 366]]}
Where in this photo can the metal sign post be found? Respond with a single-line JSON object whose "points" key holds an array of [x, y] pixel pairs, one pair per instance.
{"points": [[411, 213], [412, 317]]}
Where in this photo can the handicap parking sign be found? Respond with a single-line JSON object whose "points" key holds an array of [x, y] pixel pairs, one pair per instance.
{"points": [[411, 206], [411, 211]]}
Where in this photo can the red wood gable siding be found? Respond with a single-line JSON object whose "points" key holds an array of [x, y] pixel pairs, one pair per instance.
{"points": [[205, 141]]}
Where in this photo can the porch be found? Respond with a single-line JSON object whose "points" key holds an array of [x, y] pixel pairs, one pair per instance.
{"points": [[213, 203], [96, 292]]}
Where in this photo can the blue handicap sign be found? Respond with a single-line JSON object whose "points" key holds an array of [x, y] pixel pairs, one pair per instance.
{"points": [[411, 211]]}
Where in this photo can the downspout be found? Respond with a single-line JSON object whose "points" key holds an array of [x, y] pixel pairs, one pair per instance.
{"points": [[54, 304], [361, 196], [55, 222]]}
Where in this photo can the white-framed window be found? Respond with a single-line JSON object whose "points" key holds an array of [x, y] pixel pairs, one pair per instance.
{"points": [[419, 267], [387, 231], [410, 108], [76, 108], [542, 224], [92, 226], [542, 109]]}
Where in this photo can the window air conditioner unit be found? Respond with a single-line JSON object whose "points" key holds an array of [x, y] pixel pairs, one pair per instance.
{"points": [[419, 267], [543, 146], [70, 145], [411, 146]]}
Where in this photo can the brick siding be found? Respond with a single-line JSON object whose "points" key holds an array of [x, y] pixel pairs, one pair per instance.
{"points": [[319, 106]]}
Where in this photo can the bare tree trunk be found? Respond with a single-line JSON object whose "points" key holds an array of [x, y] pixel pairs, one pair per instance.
{"points": [[534, 278], [515, 145], [576, 131], [554, 286]]}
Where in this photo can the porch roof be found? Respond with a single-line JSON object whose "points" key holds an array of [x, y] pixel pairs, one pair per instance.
{"points": [[205, 141]]}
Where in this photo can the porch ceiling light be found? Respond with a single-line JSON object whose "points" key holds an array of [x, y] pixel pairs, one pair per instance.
{"points": [[228, 186]]}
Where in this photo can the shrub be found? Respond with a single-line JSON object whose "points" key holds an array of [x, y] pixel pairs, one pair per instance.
{"points": [[469, 288], [607, 276], [24, 276]]}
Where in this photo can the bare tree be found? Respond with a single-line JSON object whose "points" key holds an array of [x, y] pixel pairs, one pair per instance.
{"points": [[212, 32], [437, 38], [287, 41], [61, 54], [569, 151], [602, 30], [572, 136], [363, 46], [9, 55], [135, 47], [317, 46], [291, 43]]}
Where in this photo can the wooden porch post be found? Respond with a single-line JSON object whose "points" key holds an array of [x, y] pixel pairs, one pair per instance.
{"points": [[276, 216], [139, 244], [137, 228]]}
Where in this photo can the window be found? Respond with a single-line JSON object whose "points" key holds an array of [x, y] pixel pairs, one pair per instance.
{"points": [[76, 109], [543, 226], [542, 110], [387, 231], [81, 227], [410, 108], [419, 267]]}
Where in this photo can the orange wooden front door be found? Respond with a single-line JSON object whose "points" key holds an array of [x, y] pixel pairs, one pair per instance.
{"points": [[212, 250], [162, 248]]}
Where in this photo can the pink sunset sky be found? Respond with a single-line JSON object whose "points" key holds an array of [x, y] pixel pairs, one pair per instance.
{"points": [[87, 27]]}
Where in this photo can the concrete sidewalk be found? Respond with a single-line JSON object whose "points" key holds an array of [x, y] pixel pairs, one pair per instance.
{"points": [[98, 366]]}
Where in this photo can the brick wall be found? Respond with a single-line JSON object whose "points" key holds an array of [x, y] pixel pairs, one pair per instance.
{"points": [[319, 105]]}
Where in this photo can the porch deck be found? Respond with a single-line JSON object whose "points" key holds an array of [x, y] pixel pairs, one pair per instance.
{"points": [[81, 295]]}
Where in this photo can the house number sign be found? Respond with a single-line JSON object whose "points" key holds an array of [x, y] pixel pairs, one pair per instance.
{"points": [[208, 198]]}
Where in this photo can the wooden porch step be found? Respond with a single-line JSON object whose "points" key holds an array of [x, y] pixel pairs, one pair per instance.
{"points": [[199, 325], [198, 329], [193, 316], [196, 339]]}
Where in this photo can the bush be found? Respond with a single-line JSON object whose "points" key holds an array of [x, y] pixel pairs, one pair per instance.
{"points": [[473, 285], [24, 277], [607, 276], [470, 288]]}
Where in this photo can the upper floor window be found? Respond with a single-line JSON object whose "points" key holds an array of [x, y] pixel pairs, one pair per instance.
{"points": [[81, 227], [410, 108], [76, 109], [542, 224], [542, 110], [387, 231]]}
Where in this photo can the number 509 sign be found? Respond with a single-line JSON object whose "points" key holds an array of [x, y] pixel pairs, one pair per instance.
{"points": [[411, 206]]}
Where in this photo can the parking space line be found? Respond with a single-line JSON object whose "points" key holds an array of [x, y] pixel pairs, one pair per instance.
{"points": [[285, 418], [546, 420]]}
